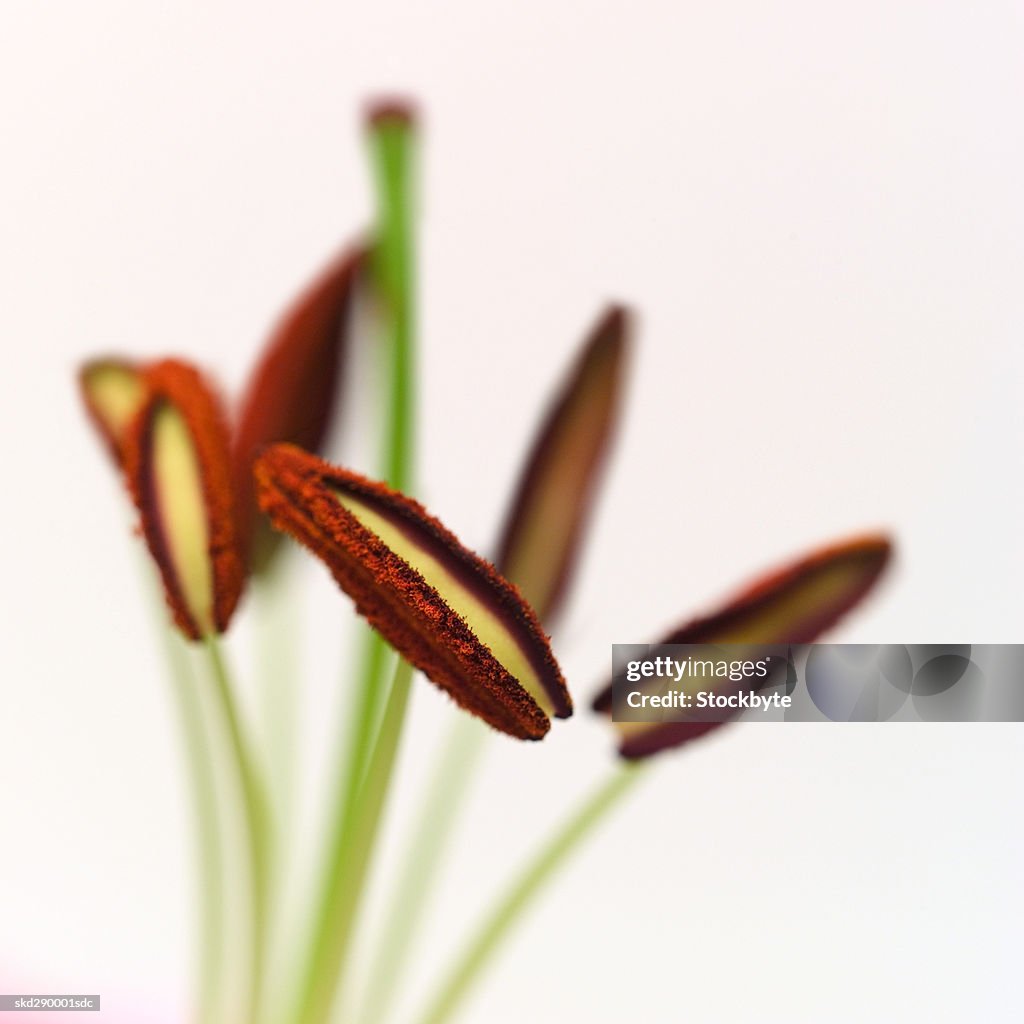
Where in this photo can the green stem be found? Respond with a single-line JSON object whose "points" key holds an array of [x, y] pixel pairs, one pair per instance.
{"points": [[208, 847], [511, 907], [277, 615], [350, 773], [257, 824], [202, 776], [365, 716], [393, 270], [448, 785], [392, 141], [354, 821], [350, 862]]}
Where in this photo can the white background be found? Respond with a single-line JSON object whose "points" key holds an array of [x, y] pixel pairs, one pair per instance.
{"points": [[817, 211]]}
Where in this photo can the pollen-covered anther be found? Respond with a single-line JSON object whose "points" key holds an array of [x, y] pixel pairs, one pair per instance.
{"points": [[293, 392], [548, 516], [793, 605], [179, 471], [443, 608]]}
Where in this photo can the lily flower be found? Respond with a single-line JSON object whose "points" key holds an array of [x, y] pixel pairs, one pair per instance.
{"points": [[474, 629]]}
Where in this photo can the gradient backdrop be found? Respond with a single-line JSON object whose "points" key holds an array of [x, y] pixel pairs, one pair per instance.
{"points": [[818, 211]]}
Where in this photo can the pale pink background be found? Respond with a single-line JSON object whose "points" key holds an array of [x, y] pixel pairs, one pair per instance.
{"points": [[818, 210]]}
